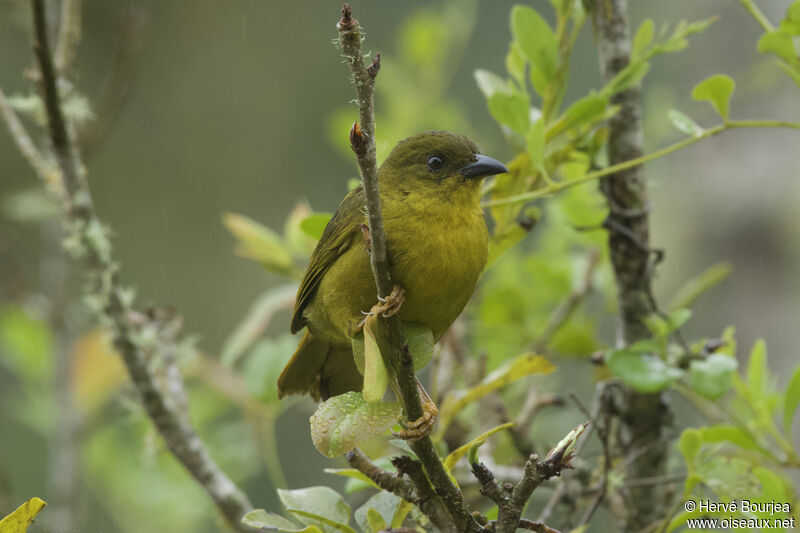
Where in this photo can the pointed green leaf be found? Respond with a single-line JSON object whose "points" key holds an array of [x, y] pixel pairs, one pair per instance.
{"points": [[376, 378], [260, 243], [317, 506], [515, 63], [712, 377], [791, 400], [490, 83], [341, 422], [512, 110], [643, 372], [689, 445], [314, 224], [716, 90], [696, 286], [538, 43], [587, 110], [684, 123], [757, 370], [522, 366], [644, 36], [475, 443], [352, 473]]}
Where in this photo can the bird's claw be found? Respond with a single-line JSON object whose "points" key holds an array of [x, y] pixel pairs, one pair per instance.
{"points": [[390, 305], [385, 307], [422, 426]]}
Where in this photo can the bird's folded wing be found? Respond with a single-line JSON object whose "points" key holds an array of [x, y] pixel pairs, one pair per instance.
{"points": [[342, 229]]}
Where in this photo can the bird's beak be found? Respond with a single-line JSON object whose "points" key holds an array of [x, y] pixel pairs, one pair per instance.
{"points": [[482, 167]]}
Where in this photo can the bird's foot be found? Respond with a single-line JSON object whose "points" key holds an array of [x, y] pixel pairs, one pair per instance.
{"points": [[423, 425], [385, 307], [390, 305]]}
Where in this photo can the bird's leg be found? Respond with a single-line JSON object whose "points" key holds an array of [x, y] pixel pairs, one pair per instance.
{"points": [[423, 425], [385, 307]]}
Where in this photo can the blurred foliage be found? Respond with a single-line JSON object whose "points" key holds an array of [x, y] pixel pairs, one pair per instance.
{"points": [[541, 255]]}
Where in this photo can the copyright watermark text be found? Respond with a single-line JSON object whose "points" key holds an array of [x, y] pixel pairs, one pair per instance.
{"points": [[734, 514]]}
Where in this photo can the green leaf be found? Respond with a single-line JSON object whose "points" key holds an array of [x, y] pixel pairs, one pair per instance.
{"points": [[316, 506], [502, 242], [341, 422], [513, 110], [472, 445], [689, 445], [684, 123], [535, 144], [259, 243], [420, 343], [757, 370], [712, 377], [727, 433], [490, 83], [22, 517], [779, 43], [255, 322], [314, 224], [377, 512], [678, 318], [643, 372], [696, 286], [587, 110], [627, 77], [376, 377], [515, 63], [260, 519], [791, 400], [327, 523], [644, 36], [522, 366], [791, 22], [538, 43], [716, 90]]}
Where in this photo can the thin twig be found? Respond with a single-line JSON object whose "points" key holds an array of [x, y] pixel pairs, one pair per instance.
{"points": [[91, 242], [362, 140]]}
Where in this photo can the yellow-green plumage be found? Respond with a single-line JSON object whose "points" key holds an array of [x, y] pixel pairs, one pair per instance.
{"points": [[437, 243]]}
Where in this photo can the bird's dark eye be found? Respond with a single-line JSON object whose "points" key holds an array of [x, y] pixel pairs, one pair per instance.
{"points": [[435, 163]]}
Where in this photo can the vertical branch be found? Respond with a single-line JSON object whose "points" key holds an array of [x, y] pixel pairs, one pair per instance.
{"points": [[362, 140], [91, 241], [642, 416]]}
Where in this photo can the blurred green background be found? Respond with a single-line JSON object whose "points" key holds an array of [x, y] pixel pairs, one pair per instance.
{"points": [[242, 107]]}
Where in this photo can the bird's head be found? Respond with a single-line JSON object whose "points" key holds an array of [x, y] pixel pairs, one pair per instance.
{"points": [[440, 161]]}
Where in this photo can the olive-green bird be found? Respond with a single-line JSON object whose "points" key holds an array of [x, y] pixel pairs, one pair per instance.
{"points": [[430, 187]]}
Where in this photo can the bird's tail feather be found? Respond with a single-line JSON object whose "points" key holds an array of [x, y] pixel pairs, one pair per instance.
{"points": [[320, 369]]}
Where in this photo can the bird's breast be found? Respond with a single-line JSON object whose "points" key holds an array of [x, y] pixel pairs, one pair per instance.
{"points": [[437, 263]]}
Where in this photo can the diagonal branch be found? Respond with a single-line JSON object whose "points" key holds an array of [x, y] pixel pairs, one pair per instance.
{"points": [[90, 241], [362, 140]]}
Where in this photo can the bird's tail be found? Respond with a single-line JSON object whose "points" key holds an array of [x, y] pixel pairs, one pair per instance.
{"points": [[320, 369]]}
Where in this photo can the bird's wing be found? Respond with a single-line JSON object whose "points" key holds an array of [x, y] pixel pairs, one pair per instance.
{"points": [[340, 233]]}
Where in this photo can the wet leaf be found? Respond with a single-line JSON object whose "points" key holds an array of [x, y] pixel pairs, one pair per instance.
{"points": [[260, 519], [316, 506], [684, 123], [343, 421], [712, 377], [643, 372]]}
